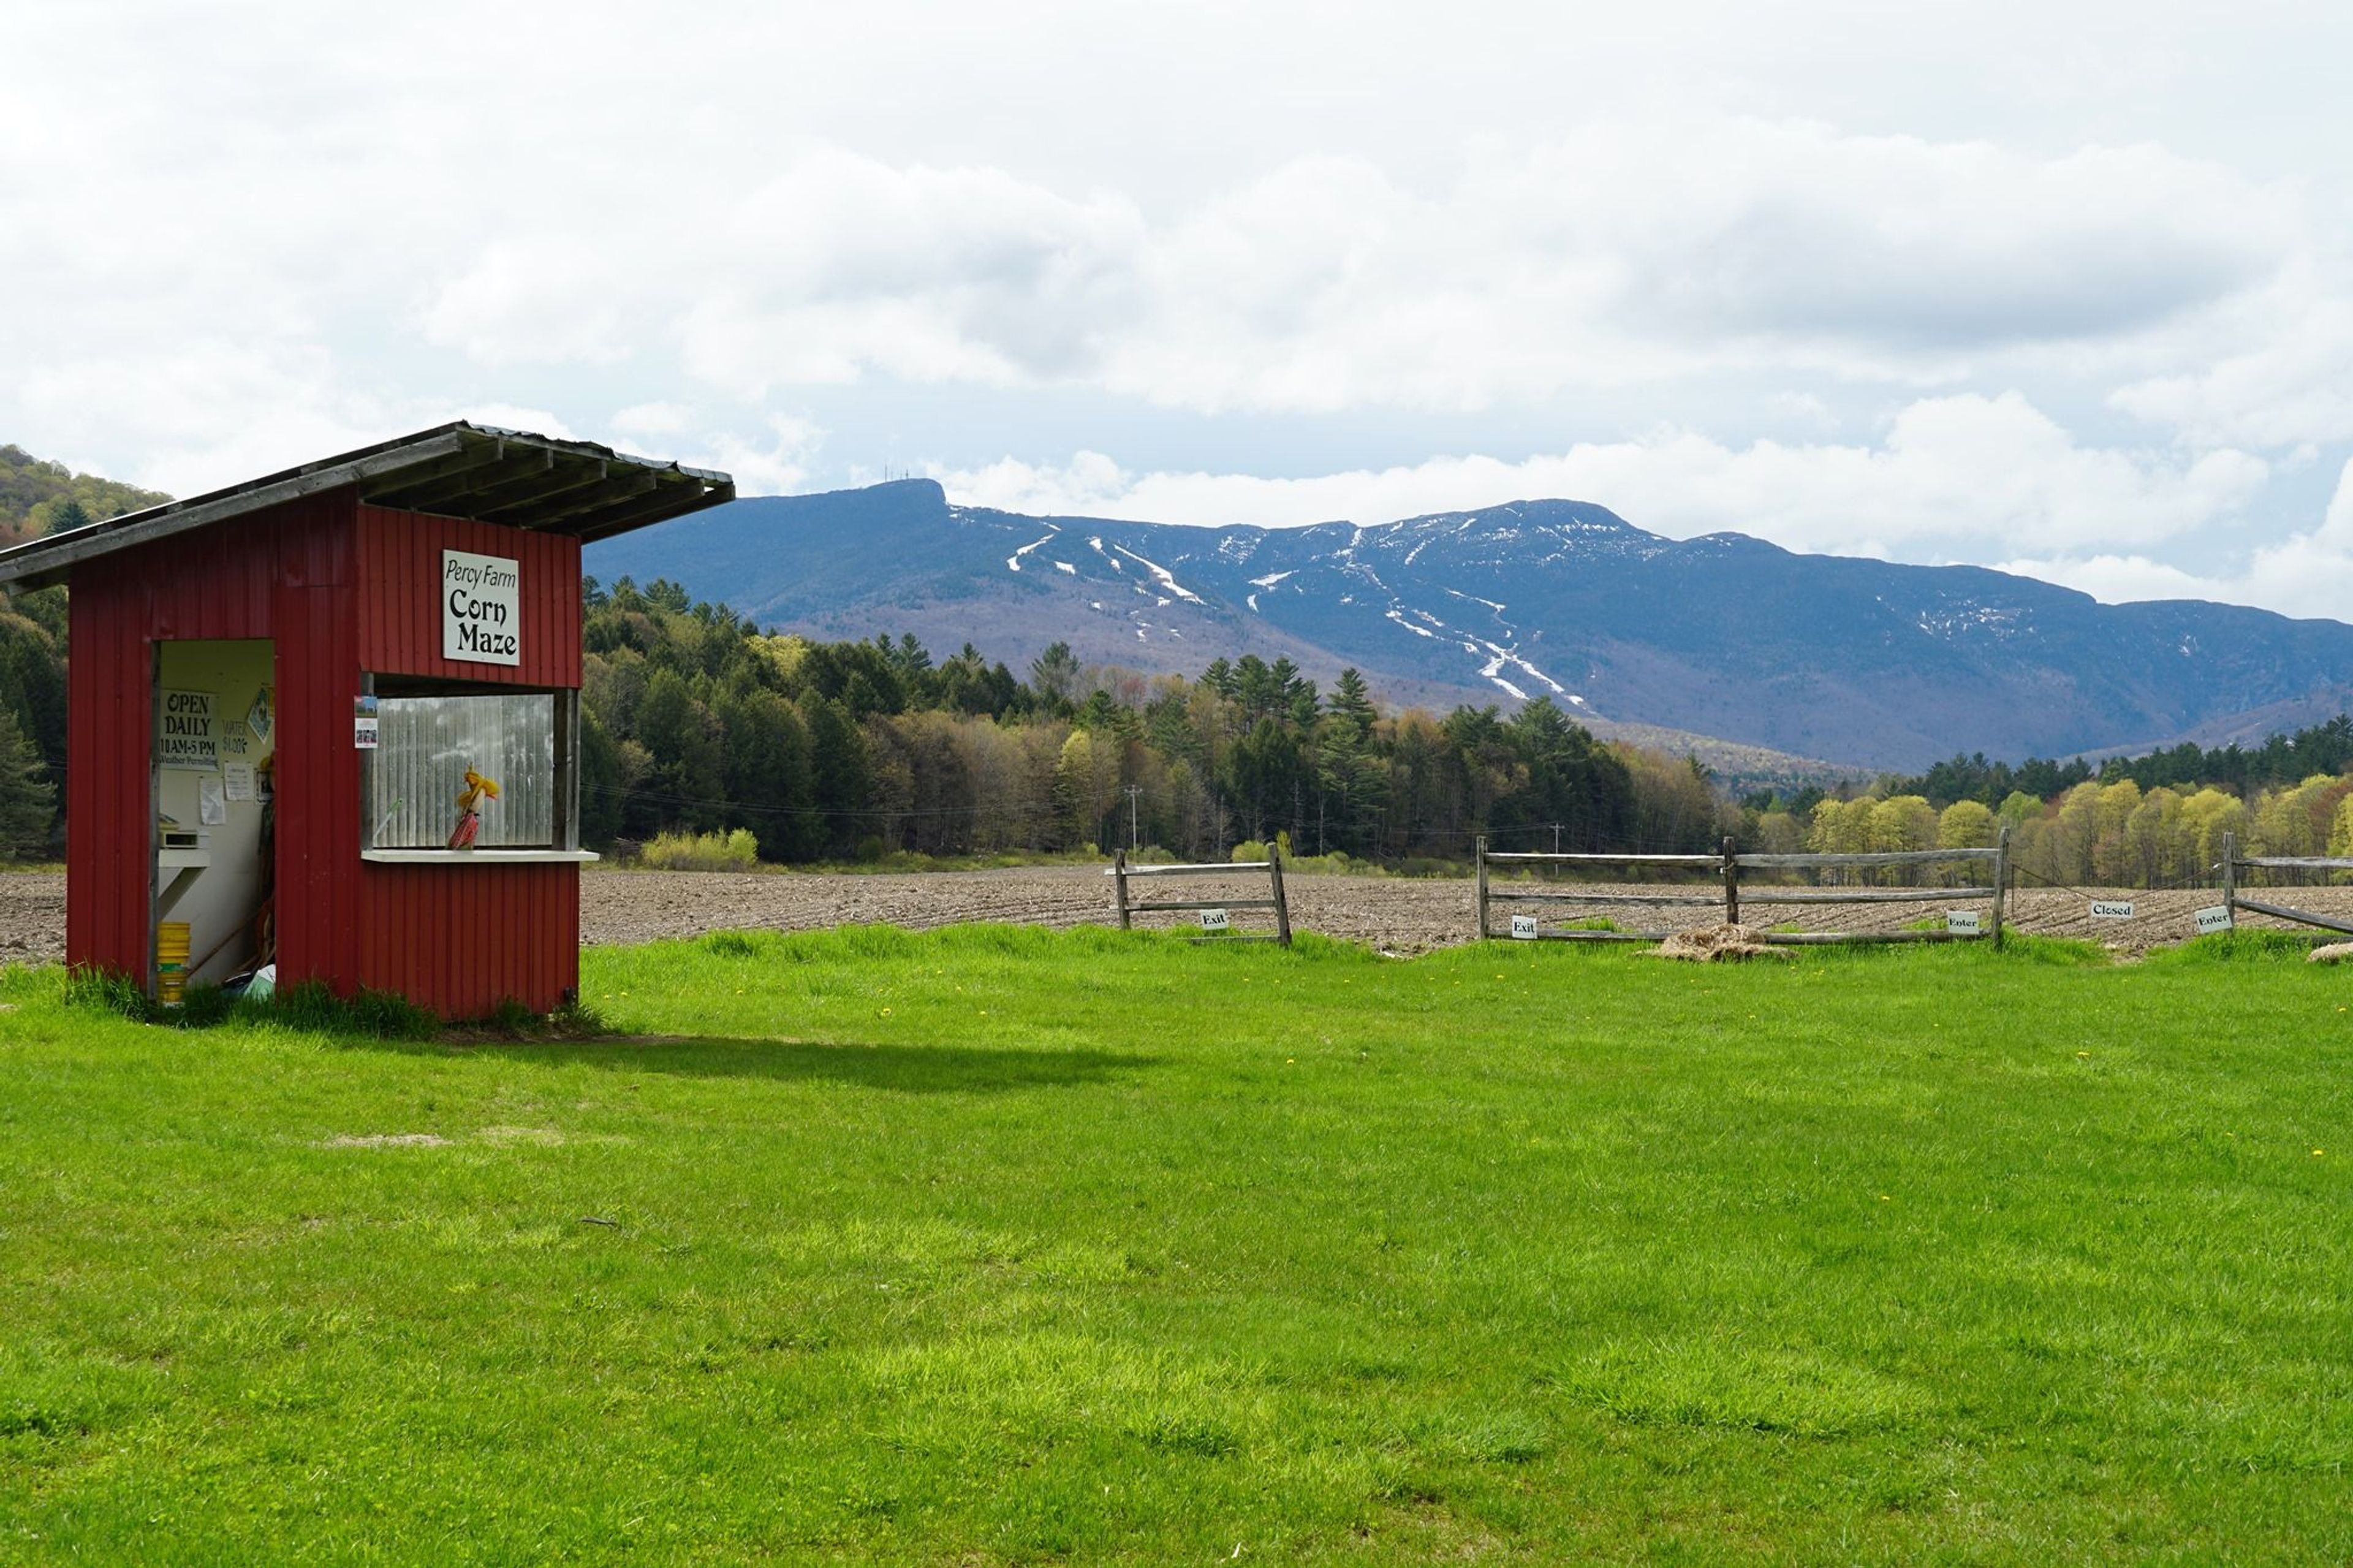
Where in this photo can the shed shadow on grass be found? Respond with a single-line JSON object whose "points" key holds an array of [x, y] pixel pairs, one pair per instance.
{"points": [[904, 1069]]}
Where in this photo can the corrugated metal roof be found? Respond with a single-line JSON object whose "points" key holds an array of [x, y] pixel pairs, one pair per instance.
{"points": [[475, 471]]}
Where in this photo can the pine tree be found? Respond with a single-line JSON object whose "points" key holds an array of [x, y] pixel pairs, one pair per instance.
{"points": [[27, 800]]}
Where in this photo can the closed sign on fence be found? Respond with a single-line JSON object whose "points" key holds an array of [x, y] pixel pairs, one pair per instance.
{"points": [[1964, 923], [2211, 920], [2111, 909], [1524, 928], [1213, 919]]}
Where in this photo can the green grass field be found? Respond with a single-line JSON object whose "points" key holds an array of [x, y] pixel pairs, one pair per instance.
{"points": [[1001, 1245]]}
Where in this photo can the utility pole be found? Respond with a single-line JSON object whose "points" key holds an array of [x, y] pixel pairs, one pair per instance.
{"points": [[1133, 791], [1555, 837]]}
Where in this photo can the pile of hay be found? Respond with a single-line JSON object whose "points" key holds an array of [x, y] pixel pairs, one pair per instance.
{"points": [[1717, 944]]}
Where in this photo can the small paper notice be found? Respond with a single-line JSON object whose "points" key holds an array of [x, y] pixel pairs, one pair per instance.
{"points": [[210, 811], [363, 733], [1524, 928], [2212, 921], [236, 780], [1213, 920]]}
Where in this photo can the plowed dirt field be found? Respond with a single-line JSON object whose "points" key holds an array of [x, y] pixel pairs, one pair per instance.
{"points": [[1396, 915]]}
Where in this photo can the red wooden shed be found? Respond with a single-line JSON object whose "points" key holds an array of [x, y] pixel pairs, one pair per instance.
{"points": [[282, 697]]}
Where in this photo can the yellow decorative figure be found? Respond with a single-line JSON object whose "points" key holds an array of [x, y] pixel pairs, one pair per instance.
{"points": [[469, 816]]}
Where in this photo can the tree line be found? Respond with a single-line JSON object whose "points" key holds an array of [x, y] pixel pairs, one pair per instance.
{"points": [[696, 722], [2158, 820]]}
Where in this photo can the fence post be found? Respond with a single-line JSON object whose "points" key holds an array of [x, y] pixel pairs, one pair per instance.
{"points": [[2000, 879], [1282, 906], [1479, 852], [1731, 883], [1119, 886], [2231, 878]]}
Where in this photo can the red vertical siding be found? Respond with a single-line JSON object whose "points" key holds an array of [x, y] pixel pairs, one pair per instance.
{"points": [[343, 590], [400, 607], [214, 583]]}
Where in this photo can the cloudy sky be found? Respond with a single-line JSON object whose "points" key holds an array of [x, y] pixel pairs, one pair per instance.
{"points": [[2063, 287]]}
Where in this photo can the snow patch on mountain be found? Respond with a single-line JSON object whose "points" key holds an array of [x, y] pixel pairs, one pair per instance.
{"points": [[1418, 631], [1502, 658], [1013, 562], [1165, 578]]}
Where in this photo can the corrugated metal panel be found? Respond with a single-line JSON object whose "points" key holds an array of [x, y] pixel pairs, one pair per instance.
{"points": [[460, 940], [400, 609], [188, 588]]}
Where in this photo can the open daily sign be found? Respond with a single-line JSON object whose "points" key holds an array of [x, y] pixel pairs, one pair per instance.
{"points": [[189, 737]]}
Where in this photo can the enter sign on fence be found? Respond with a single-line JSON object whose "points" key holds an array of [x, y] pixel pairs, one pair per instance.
{"points": [[1964, 923], [2213, 920], [2111, 909]]}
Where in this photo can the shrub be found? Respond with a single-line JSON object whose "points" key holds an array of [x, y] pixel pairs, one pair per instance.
{"points": [[736, 851]]}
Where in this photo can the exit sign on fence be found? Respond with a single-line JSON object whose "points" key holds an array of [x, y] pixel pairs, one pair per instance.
{"points": [[1213, 919], [1524, 928]]}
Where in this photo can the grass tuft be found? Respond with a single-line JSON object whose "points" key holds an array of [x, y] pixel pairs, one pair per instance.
{"points": [[2245, 946]]}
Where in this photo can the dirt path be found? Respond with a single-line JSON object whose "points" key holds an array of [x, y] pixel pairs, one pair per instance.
{"points": [[1399, 916]]}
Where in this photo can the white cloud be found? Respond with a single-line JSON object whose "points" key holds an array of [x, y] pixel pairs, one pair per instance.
{"points": [[1624, 251], [1966, 472], [2293, 386], [642, 419], [778, 467], [2308, 573]]}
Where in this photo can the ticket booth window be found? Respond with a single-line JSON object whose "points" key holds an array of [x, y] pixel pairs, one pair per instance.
{"points": [[504, 757]]}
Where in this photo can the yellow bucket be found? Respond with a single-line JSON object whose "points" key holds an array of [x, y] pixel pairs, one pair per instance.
{"points": [[171, 960]]}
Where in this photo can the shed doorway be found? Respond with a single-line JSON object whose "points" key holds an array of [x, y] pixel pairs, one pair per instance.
{"points": [[215, 737]]}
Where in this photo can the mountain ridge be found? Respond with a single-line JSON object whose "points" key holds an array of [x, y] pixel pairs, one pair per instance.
{"points": [[1720, 636]]}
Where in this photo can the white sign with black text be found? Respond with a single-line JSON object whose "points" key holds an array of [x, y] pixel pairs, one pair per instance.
{"points": [[2213, 919], [190, 738], [1524, 928], [481, 608], [1964, 923], [1213, 919], [2111, 909]]}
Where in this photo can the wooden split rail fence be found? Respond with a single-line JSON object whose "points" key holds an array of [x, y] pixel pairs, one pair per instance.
{"points": [[2234, 900], [1127, 908], [1730, 897]]}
